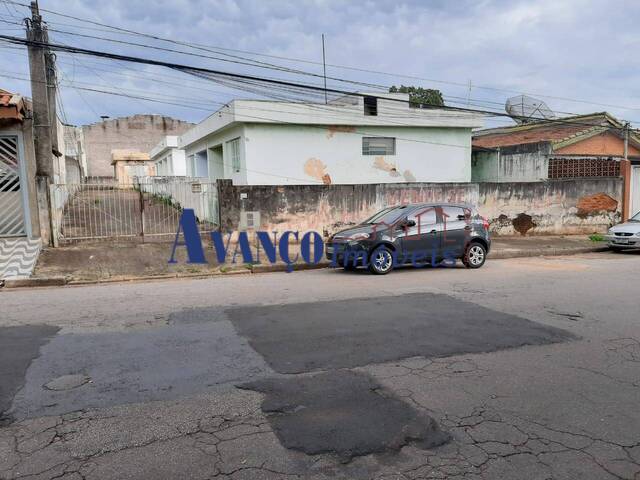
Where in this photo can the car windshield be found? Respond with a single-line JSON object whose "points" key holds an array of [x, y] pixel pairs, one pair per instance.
{"points": [[635, 218], [387, 216]]}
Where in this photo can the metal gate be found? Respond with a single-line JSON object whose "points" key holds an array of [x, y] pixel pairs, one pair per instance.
{"points": [[12, 191], [148, 208]]}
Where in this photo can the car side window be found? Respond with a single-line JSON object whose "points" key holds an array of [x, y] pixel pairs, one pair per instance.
{"points": [[424, 216], [454, 216]]}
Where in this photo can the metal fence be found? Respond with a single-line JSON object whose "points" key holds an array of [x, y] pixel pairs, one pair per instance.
{"points": [[150, 207]]}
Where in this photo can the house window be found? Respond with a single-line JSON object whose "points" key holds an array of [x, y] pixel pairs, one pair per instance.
{"points": [[233, 147], [378, 146], [370, 106]]}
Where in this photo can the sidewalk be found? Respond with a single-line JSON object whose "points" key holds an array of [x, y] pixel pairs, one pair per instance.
{"points": [[123, 261]]}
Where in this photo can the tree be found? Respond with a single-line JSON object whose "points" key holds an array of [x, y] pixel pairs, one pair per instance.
{"points": [[419, 96]]}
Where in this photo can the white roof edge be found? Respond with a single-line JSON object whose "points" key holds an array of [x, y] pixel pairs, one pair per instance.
{"points": [[168, 142], [391, 114]]}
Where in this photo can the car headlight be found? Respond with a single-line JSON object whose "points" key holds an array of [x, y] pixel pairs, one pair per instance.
{"points": [[638, 234], [359, 236]]}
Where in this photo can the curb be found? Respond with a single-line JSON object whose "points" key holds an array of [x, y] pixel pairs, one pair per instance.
{"points": [[545, 252], [35, 282], [268, 268]]}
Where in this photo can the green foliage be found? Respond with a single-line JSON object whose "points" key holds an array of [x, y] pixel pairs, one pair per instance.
{"points": [[596, 237], [420, 96]]}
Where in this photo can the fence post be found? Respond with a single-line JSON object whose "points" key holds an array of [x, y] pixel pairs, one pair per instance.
{"points": [[141, 196]]}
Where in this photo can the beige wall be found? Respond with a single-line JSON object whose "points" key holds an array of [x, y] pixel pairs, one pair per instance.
{"points": [[138, 132]]}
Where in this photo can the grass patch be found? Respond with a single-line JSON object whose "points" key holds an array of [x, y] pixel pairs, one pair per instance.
{"points": [[596, 237]]}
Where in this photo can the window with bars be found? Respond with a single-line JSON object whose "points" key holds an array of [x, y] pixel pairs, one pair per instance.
{"points": [[378, 146], [583, 167], [233, 147]]}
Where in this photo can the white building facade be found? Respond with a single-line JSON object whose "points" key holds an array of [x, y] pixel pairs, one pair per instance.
{"points": [[168, 159], [356, 139]]}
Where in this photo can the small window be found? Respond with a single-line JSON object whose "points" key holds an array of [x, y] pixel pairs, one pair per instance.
{"points": [[234, 154], [378, 146], [370, 106]]}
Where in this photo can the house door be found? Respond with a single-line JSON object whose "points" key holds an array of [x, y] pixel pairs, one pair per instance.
{"points": [[635, 189], [13, 199], [216, 163]]}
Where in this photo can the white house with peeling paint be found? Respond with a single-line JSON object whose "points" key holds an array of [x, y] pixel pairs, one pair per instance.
{"points": [[352, 140]]}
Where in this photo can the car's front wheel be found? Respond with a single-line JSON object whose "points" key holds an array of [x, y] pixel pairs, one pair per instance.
{"points": [[381, 261], [475, 255]]}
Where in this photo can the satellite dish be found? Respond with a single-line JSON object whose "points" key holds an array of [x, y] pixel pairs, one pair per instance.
{"points": [[526, 109]]}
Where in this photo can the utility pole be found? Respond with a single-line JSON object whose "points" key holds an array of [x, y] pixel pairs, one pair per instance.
{"points": [[626, 176], [42, 118], [42, 70]]}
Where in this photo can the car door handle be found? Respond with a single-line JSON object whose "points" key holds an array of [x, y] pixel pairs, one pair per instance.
{"points": [[468, 227], [433, 231]]}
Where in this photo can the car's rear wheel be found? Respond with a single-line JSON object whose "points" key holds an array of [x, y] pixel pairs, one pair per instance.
{"points": [[381, 261], [475, 255]]}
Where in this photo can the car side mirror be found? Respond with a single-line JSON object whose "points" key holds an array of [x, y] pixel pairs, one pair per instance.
{"points": [[462, 217], [410, 223]]}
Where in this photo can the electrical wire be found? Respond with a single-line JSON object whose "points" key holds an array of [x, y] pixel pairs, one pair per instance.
{"points": [[220, 50]]}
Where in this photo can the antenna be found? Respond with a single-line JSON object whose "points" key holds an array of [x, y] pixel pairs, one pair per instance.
{"points": [[324, 67], [526, 109]]}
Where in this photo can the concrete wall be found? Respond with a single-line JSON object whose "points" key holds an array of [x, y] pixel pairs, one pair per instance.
{"points": [[138, 132], [326, 208], [563, 206], [305, 154], [528, 162], [530, 208]]}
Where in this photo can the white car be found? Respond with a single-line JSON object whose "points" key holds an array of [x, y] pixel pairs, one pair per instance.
{"points": [[625, 235]]}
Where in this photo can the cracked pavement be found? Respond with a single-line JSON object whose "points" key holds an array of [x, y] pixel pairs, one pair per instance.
{"points": [[564, 410]]}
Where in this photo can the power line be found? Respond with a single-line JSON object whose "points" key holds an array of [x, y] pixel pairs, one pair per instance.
{"points": [[221, 50], [211, 74], [476, 102]]}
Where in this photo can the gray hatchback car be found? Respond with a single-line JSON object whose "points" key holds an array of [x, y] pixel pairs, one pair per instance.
{"points": [[418, 234]]}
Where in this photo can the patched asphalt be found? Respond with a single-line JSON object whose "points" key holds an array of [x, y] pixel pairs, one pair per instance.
{"points": [[344, 413], [19, 346], [76, 371], [306, 337]]}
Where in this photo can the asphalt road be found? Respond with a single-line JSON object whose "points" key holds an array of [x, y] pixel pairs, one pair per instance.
{"points": [[528, 368]]}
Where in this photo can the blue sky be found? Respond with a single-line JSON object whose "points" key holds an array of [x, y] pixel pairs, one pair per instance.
{"points": [[562, 51]]}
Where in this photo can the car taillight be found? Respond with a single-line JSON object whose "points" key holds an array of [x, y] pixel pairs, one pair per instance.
{"points": [[485, 223]]}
